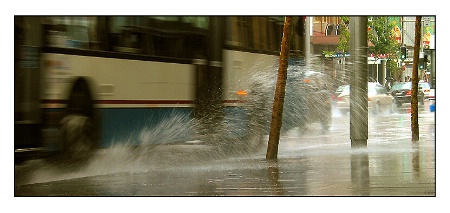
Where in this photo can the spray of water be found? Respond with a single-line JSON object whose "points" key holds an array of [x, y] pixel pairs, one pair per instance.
{"points": [[240, 131]]}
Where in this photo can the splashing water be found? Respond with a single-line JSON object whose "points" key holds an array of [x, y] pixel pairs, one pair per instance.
{"points": [[241, 131]]}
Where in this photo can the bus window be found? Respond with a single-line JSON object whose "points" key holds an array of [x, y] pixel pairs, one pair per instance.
{"points": [[165, 18], [198, 22], [254, 33], [71, 32], [240, 33], [245, 31], [167, 36], [127, 34]]}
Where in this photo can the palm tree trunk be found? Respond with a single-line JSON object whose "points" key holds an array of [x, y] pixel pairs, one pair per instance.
{"points": [[415, 82], [277, 112]]}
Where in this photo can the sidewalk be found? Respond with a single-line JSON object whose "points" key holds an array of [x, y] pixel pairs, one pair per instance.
{"points": [[311, 171]]}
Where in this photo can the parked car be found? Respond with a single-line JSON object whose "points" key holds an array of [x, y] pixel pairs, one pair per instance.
{"points": [[337, 92], [379, 99], [317, 107], [425, 87], [432, 99], [401, 91], [432, 95], [307, 98]]}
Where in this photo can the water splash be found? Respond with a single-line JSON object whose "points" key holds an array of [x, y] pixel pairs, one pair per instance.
{"points": [[242, 131]]}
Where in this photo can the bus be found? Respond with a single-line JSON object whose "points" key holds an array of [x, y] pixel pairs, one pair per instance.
{"points": [[88, 82]]}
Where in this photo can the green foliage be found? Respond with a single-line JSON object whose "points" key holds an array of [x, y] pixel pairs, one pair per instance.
{"points": [[392, 67], [380, 34], [344, 37], [328, 54]]}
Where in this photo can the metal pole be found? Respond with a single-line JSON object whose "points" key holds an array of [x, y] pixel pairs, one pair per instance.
{"points": [[308, 41], [433, 69], [358, 82]]}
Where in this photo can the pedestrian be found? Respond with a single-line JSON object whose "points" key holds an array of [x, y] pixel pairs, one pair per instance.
{"points": [[386, 85]]}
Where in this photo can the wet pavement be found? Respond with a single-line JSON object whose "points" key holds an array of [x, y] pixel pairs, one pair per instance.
{"points": [[310, 162]]}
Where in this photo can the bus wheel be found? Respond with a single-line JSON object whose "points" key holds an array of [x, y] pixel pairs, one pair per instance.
{"points": [[78, 125], [77, 135]]}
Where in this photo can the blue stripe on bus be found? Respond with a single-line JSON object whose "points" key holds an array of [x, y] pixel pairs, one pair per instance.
{"points": [[144, 125], [141, 126]]}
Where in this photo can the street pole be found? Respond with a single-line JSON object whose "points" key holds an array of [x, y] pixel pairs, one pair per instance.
{"points": [[278, 102], [433, 69], [415, 81], [358, 82], [307, 38]]}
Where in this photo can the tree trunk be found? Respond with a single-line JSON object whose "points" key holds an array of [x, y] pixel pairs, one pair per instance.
{"points": [[415, 82], [277, 111]]}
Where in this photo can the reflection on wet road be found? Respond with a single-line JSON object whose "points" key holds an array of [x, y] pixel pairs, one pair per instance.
{"points": [[310, 163]]}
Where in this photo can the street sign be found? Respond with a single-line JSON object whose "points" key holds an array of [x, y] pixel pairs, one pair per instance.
{"points": [[426, 21]]}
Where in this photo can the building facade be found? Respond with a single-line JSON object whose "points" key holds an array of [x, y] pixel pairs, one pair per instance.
{"points": [[324, 37]]}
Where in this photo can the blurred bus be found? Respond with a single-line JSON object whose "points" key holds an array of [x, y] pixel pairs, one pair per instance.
{"points": [[104, 77]]}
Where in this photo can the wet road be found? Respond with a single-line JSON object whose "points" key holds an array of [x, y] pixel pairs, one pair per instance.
{"points": [[310, 163]]}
